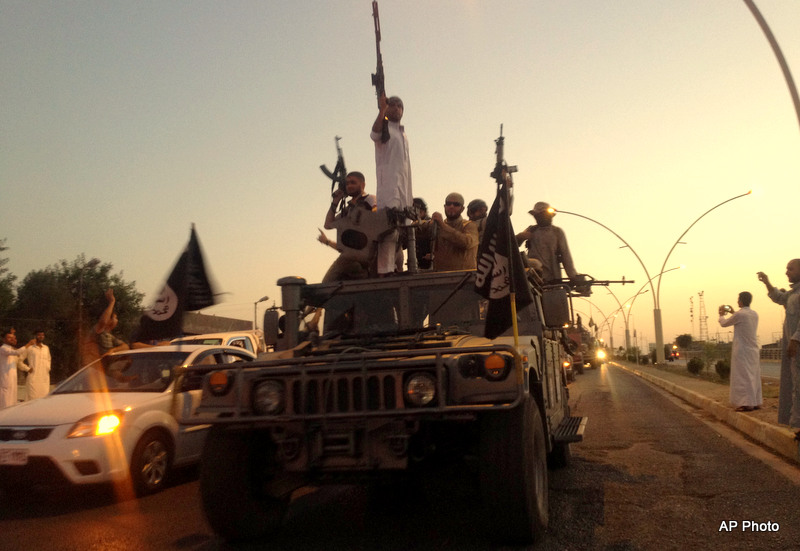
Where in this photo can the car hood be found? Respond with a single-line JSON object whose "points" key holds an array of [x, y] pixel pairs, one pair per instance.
{"points": [[59, 409]]}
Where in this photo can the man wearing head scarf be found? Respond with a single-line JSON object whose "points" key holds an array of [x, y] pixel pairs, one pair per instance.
{"points": [[457, 238], [546, 245]]}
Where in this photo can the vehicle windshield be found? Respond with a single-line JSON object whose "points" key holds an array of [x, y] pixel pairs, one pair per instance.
{"points": [[142, 372], [453, 307]]}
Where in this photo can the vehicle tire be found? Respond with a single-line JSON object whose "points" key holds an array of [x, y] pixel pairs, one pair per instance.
{"points": [[513, 473], [151, 463], [234, 470]]}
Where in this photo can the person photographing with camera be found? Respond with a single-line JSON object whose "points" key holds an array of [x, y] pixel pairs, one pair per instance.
{"points": [[745, 393]]}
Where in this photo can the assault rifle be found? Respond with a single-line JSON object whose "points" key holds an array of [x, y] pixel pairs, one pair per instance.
{"points": [[502, 172], [377, 76], [339, 173]]}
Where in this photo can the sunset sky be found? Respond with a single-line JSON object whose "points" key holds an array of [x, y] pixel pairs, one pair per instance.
{"points": [[122, 123]]}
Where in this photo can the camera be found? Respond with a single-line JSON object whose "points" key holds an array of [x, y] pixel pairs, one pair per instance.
{"points": [[727, 308]]}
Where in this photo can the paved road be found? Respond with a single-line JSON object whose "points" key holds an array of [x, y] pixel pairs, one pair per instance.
{"points": [[649, 475]]}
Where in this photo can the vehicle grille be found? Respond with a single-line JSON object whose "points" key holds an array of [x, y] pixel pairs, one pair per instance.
{"points": [[346, 394], [24, 434]]}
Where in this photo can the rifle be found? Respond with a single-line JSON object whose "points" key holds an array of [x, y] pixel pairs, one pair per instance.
{"points": [[339, 173], [377, 76], [502, 172], [582, 285]]}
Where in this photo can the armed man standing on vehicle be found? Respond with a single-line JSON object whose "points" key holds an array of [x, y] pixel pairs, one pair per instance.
{"points": [[547, 246], [457, 238], [392, 162], [393, 170], [347, 268]]}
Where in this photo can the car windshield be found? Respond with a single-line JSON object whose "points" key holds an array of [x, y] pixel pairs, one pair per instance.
{"points": [[206, 341], [142, 372]]}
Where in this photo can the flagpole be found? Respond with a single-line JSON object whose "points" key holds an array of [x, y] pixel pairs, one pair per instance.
{"points": [[513, 249]]}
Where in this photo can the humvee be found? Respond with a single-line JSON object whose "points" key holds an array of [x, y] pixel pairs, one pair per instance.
{"points": [[398, 374]]}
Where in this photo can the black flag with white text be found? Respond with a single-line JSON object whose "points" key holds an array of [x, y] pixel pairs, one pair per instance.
{"points": [[500, 271], [187, 289]]}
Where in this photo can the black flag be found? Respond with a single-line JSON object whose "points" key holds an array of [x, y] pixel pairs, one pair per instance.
{"points": [[187, 289], [500, 271]]}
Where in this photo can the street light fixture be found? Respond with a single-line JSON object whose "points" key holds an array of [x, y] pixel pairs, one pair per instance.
{"points": [[657, 312], [656, 293]]}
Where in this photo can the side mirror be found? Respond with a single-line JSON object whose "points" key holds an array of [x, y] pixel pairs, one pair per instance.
{"points": [[271, 327], [555, 306]]}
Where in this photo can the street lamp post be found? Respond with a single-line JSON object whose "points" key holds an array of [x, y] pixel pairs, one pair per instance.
{"points": [[255, 310], [656, 298], [657, 311]]}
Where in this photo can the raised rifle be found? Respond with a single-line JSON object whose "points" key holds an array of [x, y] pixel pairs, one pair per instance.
{"points": [[502, 172], [338, 175], [377, 76]]}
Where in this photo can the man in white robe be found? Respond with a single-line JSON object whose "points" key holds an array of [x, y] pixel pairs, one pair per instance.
{"points": [[393, 172], [9, 355], [745, 363], [789, 398], [37, 365]]}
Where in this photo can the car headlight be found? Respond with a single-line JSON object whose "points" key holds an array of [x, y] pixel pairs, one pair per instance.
{"points": [[420, 389], [98, 424], [601, 354], [268, 398]]}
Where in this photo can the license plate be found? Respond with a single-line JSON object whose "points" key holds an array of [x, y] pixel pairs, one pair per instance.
{"points": [[14, 457]]}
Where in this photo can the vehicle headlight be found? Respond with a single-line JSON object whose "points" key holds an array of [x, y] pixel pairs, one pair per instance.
{"points": [[566, 364], [268, 398], [601, 354], [496, 366], [98, 424], [420, 389]]}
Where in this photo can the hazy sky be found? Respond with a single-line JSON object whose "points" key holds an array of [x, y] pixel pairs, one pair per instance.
{"points": [[122, 123]]}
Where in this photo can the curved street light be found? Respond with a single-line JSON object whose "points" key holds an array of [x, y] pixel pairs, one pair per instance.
{"points": [[657, 312], [656, 293], [773, 42]]}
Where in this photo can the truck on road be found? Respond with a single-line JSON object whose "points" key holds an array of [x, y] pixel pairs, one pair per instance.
{"points": [[398, 375]]}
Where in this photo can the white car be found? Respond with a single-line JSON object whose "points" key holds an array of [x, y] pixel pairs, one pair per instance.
{"points": [[114, 420], [252, 340]]}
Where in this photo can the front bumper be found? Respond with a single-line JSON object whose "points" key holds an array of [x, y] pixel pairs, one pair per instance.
{"points": [[56, 459]]}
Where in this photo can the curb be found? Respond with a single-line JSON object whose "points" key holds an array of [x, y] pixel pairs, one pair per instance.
{"points": [[778, 439]]}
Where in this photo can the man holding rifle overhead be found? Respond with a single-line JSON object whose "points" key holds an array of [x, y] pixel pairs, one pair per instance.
{"points": [[392, 161]]}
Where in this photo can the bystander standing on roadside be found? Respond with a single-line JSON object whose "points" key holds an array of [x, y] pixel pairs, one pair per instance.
{"points": [[9, 355], [37, 367], [745, 383], [789, 398]]}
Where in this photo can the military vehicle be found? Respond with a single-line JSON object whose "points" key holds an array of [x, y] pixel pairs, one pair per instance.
{"points": [[399, 374]]}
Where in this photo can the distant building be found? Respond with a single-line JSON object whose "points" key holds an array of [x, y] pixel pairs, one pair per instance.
{"points": [[771, 351], [197, 324]]}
